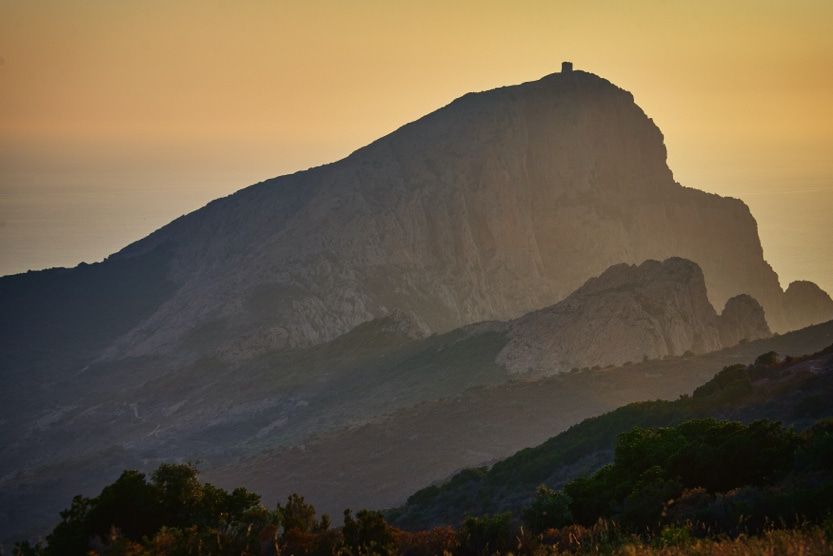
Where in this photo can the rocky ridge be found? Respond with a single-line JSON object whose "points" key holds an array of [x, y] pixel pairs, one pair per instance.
{"points": [[630, 313]]}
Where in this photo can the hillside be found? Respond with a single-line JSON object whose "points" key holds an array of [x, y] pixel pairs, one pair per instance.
{"points": [[379, 464], [126, 416], [668, 485], [792, 391], [676, 488]]}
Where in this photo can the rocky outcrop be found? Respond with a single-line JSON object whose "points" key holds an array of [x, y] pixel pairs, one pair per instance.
{"points": [[742, 320], [805, 303], [628, 314]]}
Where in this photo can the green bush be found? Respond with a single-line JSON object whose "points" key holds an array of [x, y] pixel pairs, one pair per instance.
{"points": [[137, 508], [297, 515], [367, 534], [730, 381], [652, 466], [487, 534], [549, 510]]}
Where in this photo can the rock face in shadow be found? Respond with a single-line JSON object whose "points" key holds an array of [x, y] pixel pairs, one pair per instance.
{"points": [[806, 303], [628, 314], [742, 320]]}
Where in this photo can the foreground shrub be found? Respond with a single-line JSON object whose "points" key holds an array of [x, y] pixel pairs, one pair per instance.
{"points": [[367, 533], [549, 510], [652, 466], [487, 534]]}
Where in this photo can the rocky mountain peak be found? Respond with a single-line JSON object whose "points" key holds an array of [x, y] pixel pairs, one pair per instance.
{"points": [[627, 314]]}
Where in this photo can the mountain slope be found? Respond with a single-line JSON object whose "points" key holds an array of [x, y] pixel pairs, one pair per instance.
{"points": [[130, 413], [796, 392], [500, 203], [379, 464], [215, 408]]}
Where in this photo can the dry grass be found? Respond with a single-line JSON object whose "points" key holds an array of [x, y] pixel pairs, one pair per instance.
{"points": [[771, 543], [789, 542]]}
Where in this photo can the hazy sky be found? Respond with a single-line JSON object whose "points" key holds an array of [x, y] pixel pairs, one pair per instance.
{"points": [[116, 117]]}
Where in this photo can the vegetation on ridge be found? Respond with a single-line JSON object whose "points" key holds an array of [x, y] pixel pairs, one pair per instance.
{"points": [[774, 388], [674, 488], [701, 486]]}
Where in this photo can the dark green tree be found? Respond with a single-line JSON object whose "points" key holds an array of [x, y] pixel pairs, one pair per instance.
{"points": [[644, 504], [652, 465], [487, 534], [130, 504], [549, 510], [297, 515], [180, 493], [368, 533], [72, 534]]}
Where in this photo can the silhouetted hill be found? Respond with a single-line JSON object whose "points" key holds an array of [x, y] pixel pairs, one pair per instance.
{"points": [[792, 391], [379, 464], [62, 318]]}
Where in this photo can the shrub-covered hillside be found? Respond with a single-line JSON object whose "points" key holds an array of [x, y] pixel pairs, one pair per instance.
{"points": [[654, 477], [694, 487], [797, 392]]}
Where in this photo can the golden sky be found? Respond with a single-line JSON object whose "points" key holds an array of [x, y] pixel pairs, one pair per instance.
{"points": [[116, 117]]}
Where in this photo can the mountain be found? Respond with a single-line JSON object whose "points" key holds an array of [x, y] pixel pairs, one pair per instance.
{"points": [[114, 417], [500, 203], [338, 295], [210, 410], [630, 313], [380, 463], [794, 391]]}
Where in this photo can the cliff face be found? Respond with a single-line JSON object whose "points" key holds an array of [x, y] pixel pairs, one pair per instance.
{"points": [[500, 203], [628, 314]]}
